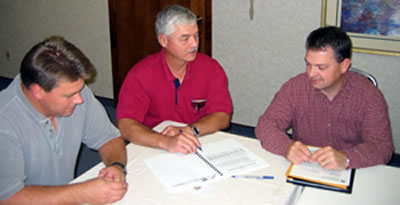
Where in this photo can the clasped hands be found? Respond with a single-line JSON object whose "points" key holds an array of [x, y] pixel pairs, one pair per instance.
{"points": [[180, 139], [110, 186], [327, 157]]}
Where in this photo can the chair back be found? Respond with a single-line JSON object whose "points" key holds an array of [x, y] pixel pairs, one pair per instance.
{"points": [[365, 74]]}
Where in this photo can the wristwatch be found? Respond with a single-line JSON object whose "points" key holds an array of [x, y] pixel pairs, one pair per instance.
{"points": [[120, 165], [347, 163], [195, 131]]}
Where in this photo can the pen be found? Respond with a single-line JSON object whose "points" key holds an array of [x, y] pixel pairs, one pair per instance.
{"points": [[198, 147], [252, 177]]}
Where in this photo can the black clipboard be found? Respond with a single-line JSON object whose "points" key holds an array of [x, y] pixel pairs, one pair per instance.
{"points": [[302, 182]]}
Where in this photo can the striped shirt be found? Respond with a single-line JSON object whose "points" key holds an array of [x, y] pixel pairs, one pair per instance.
{"points": [[355, 122]]}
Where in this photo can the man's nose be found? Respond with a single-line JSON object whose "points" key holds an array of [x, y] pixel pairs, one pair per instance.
{"points": [[78, 99], [312, 71], [194, 42]]}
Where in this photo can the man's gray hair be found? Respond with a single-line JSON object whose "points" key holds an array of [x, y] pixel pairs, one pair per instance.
{"points": [[168, 17]]}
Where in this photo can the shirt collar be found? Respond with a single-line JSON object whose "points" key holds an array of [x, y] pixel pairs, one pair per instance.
{"points": [[167, 72], [346, 87], [347, 83]]}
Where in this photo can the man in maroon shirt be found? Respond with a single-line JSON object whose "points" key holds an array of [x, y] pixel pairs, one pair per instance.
{"points": [[176, 84], [327, 106]]}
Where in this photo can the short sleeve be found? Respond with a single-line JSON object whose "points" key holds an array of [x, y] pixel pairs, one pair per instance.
{"points": [[99, 129], [219, 96]]}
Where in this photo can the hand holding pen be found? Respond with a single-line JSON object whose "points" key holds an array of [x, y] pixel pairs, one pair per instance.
{"points": [[198, 146], [180, 139]]}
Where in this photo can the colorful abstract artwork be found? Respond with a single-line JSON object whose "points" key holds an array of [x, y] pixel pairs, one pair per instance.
{"points": [[373, 25], [374, 17]]}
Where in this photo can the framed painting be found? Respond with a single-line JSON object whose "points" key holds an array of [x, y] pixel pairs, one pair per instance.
{"points": [[373, 25]]}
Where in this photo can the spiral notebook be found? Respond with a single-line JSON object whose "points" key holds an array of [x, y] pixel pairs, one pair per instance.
{"points": [[219, 159]]}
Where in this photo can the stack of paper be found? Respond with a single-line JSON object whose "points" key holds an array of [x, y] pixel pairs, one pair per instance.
{"points": [[223, 158]]}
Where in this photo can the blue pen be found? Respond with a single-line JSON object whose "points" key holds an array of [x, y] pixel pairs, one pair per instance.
{"points": [[252, 177], [198, 147]]}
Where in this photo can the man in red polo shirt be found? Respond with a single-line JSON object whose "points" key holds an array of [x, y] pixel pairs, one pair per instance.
{"points": [[176, 84]]}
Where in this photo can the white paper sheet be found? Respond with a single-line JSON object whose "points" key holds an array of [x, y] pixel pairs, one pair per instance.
{"points": [[179, 172]]}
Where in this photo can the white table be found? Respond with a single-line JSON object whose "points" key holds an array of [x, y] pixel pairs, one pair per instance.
{"points": [[373, 185], [145, 188]]}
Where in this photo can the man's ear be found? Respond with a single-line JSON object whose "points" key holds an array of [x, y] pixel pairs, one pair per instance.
{"points": [[37, 91], [345, 65], [163, 39]]}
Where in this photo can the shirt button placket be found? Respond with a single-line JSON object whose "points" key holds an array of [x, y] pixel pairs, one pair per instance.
{"points": [[329, 125], [51, 134]]}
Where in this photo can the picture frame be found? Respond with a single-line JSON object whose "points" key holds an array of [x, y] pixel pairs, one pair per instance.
{"points": [[362, 39]]}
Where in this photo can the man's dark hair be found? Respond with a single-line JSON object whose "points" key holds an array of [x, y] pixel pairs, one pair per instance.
{"points": [[334, 37], [54, 60]]}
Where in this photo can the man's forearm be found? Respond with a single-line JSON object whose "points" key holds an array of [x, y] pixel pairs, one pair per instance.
{"points": [[68, 194], [212, 123], [93, 191], [369, 154], [272, 138], [113, 151], [140, 134]]}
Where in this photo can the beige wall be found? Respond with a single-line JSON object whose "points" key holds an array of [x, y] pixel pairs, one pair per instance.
{"points": [[84, 23], [260, 55]]}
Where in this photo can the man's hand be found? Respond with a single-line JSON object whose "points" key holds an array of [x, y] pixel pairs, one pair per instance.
{"points": [[171, 131], [298, 153], [100, 190], [180, 139], [110, 186], [103, 190], [330, 158], [113, 173]]}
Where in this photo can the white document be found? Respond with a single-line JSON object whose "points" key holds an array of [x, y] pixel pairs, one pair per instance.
{"points": [[223, 158], [312, 171]]}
